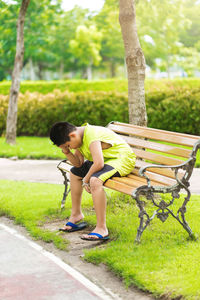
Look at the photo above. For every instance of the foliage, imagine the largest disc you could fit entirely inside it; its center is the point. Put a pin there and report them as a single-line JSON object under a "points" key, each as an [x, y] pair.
{"points": [[160, 35], [86, 45], [112, 50], [159, 264], [40, 16], [37, 112], [49, 31], [120, 85], [176, 110], [173, 107], [45, 87], [8, 20]]}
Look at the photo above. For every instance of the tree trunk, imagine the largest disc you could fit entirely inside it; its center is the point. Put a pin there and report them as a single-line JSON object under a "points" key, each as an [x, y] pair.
{"points": [[11, 125], [61, 71], [89, 71], [135, 62], [40, 67], [112, 69]]}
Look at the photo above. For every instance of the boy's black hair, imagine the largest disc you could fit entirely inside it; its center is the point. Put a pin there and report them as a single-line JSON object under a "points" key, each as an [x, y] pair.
{"points": [[59, 132]]}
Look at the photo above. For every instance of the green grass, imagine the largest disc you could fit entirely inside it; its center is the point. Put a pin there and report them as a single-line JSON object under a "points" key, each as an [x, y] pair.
{"points": [[31, 148], [165, 263]]}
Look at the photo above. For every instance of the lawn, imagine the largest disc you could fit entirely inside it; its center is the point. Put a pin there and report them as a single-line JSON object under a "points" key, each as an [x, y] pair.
{"points": [[165, 263], [30, 148]]}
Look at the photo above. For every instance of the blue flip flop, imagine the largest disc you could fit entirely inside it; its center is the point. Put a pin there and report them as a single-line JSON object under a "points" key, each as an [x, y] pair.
{"points": [[74, 227], [100, 237]]}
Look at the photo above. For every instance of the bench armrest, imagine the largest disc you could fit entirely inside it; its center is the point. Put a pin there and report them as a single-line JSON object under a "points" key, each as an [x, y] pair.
{"points": [[187, 165], [62, 161]]}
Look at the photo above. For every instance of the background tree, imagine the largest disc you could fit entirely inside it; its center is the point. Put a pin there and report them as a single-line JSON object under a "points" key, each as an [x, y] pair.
{"points": [[112, 50], [11, 126], [38, 28], [167, 36], [86, 47], [135, 62], [8, 20], [159, 31], [62, 33]]}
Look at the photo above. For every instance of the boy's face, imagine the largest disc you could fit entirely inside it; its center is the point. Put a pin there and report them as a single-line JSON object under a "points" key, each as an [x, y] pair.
{"points": [[74, 143]]}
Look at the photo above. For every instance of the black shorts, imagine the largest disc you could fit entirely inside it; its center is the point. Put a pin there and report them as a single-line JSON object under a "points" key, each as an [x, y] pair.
{"points": [[104, 174]]}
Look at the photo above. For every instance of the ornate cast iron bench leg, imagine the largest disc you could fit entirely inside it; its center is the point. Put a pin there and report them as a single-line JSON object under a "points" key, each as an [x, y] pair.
{"points": [[143, 215], [182, 210], [162, 212], [66, 190], [66, 184]]}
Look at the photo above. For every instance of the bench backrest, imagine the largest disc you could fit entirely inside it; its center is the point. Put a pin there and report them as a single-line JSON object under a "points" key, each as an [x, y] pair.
{"points": [[154, 146]]}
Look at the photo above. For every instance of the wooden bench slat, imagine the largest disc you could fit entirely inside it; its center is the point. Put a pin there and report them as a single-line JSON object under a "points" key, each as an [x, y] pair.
{"points": [[118, 186], [160, 136], [132, 180], [157, 146], [128, 181], [159, 179], [157, 158], [196, 137]]}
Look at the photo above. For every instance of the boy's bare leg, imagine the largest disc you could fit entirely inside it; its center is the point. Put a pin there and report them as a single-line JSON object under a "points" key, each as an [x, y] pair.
{"points": [[99, 199], [76, 193]]}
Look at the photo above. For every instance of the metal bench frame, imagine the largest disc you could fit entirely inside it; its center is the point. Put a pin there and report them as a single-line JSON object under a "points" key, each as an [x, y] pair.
{"points": [[163, 208]]}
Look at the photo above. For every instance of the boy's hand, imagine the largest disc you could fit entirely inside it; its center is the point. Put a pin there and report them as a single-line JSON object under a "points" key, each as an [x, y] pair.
{"points": [[86, 186], [66, 150]]}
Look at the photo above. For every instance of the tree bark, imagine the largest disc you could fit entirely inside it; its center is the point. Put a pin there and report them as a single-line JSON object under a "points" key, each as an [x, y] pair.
{"points": [[135, 63], [89, 71], [61, 71], [112, 69], [11, 125]]}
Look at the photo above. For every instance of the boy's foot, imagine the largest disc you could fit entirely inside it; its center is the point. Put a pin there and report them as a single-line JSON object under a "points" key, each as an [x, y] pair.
{"points": [[98, 233], [93, 236], [71, 227], [74, 222]]}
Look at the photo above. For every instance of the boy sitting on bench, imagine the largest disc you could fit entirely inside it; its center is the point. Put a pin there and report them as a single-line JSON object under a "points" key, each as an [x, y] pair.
{"points": [[107, 155]]}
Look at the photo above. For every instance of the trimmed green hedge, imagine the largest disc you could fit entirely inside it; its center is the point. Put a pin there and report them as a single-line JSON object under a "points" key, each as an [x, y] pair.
{"points": [[177, 111], [45, 87], [37, 112], [119, 85], [172, 109]]}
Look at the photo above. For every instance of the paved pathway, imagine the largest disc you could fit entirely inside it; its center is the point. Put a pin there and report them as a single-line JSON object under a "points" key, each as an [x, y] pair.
{"points": [[46, 171], [29, 272]]}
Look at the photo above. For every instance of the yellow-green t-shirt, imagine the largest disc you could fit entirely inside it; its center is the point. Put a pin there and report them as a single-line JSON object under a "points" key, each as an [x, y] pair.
{"points": [[119, 155]]}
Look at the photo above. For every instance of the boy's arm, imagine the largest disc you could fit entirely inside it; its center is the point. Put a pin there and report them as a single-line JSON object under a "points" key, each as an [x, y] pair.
{"points": [[98, 160], [76, 159]]}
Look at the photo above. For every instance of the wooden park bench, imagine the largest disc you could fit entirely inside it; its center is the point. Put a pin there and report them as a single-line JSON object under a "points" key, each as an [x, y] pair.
{"points": [[165, 161]]}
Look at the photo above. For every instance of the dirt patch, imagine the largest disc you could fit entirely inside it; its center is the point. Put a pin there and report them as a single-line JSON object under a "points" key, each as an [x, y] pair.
{"points": [[100, 275], [77, 245]]}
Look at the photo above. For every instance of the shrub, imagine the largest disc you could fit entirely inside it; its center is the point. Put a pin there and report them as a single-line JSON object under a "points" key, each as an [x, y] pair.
{"points": [[45, 87], [118, 85], [178, 111], [172, 109], [37, 112]]}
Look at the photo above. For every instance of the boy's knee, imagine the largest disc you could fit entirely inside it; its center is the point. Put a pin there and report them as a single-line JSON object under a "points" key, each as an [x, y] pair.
{"points": [[95, 183]]}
